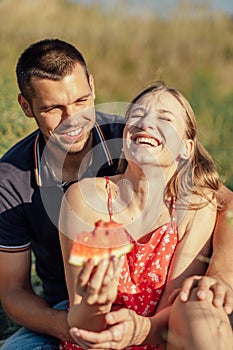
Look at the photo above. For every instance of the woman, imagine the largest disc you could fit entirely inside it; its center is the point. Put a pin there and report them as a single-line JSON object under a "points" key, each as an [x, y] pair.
{"points": [[165, 198]]}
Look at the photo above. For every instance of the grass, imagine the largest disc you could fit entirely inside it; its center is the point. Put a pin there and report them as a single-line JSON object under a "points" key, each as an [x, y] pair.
{"points": [[190, 49]]}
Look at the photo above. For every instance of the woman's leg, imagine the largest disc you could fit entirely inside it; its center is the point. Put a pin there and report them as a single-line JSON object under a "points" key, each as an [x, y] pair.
{"points": [[199, 325]]}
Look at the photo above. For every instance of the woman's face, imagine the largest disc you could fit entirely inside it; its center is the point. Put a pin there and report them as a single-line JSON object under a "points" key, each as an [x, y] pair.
{"points": [[155, 130]]}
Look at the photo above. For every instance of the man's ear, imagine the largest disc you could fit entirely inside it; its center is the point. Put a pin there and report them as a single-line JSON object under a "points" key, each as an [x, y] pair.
{"points": [[25, 105], [188, 147], [92, 85]]}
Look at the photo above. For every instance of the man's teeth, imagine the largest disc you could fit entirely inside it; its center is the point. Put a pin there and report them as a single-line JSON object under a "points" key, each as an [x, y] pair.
{"points": [[74, 132], [147, 140]]}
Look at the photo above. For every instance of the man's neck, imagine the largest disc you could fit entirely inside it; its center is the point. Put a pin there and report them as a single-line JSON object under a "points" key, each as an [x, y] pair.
{"points": [[68, 167]]}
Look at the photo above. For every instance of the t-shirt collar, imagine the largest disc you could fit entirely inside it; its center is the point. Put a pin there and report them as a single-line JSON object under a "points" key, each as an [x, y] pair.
{"points": [[101, 155]]}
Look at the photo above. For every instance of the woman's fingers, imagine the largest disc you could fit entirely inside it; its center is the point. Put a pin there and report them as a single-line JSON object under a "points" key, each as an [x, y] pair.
{"points": [[98, 284], [102, 287], [107, 339], [96, 279], [114, 270], [75, 334]]}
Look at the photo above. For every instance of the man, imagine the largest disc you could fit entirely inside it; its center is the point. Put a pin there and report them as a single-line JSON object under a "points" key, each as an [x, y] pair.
{"points": [[54, 85], [58, 92]]}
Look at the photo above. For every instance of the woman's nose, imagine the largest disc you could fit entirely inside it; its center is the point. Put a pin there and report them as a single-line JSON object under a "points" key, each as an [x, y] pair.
{"points": [[147, 122]]}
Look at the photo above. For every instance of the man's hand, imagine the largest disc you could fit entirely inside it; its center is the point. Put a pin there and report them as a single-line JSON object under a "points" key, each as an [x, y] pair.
{"points": [[222, 292], [125, 328]]}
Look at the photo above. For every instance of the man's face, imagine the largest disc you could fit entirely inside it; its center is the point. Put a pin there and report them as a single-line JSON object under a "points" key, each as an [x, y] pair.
{"points": [[64, 109]]}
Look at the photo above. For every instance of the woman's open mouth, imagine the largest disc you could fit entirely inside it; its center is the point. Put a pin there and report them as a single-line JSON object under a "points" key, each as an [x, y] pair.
{"points": [[146, 140]]}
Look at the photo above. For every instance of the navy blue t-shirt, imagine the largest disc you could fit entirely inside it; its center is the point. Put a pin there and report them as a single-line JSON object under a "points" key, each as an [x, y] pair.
{"points": [[30, 199]]}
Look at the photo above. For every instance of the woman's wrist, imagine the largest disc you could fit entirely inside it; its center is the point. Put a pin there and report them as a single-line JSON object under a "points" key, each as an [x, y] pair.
{"points": [[86, 316], [143, 329], [96, 308]]}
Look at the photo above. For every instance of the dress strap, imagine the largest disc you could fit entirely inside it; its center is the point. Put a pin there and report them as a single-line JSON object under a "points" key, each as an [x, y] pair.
{"points": [[173, 212], [110, 212]]}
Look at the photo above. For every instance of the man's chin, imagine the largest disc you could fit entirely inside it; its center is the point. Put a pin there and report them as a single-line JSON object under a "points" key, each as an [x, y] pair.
{"points": [[70, 148], [74, 152], [73, 149]]}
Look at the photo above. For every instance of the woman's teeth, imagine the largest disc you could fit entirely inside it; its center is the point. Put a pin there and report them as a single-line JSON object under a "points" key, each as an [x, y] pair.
{"points": [[147, 140]]}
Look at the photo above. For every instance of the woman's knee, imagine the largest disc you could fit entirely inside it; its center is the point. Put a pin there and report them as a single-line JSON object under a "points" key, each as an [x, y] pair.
{"points": [[192, 320]]}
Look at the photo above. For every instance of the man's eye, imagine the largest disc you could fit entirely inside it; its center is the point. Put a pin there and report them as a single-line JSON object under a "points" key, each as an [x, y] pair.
{"points": [[52, 108], [83, 100]]}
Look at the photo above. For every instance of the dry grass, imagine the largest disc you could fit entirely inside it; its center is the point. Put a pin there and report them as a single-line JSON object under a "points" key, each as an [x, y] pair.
{"points": [[191, 50]]}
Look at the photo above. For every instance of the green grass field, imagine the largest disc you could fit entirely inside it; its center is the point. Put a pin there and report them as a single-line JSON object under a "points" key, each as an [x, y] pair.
{"points": [[190, 50]]}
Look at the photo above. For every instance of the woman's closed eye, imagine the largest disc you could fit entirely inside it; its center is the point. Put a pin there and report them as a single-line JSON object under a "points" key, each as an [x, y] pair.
{"points": [[165, 117]]}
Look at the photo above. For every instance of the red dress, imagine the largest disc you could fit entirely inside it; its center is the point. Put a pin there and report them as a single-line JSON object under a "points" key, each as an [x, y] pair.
{"points": [[144, 272]]}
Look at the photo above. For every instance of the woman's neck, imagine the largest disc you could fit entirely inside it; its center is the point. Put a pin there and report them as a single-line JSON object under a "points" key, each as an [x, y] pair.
{"points": [[145, 185], [137, 193]]}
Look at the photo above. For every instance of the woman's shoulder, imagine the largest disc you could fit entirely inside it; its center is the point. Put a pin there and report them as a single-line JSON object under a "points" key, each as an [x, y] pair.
{"points": [[88, 198], [85, 186], [90, 186], [194, 211], [195, 201]]}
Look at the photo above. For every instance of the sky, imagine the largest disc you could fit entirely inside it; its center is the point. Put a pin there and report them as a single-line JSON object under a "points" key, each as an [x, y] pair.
{"points": [[159, 5], [226, 5]]}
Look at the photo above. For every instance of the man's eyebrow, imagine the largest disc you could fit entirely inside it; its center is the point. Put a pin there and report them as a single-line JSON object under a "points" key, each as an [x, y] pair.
{"points": [[83, 97], [45, 107], [54, 105]]}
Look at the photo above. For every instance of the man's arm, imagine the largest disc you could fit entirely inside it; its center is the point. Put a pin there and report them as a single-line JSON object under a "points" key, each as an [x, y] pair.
{"points": [[221, 263], [219, 274], [20, 302]]}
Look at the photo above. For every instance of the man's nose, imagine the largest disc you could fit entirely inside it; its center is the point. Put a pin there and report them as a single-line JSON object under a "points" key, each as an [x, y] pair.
{"points": [[69, 111]]}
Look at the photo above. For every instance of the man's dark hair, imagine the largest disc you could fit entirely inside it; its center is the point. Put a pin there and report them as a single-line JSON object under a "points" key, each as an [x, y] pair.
{"points": [[49, 58]]}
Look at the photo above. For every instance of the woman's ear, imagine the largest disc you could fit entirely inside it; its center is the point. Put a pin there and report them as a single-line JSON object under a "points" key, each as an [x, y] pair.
{"points": [[25, 105], [92, 85], [188, 146]]}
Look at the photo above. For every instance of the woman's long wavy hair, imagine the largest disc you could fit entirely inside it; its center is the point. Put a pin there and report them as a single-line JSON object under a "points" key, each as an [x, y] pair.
{"points": [[197, 174]]}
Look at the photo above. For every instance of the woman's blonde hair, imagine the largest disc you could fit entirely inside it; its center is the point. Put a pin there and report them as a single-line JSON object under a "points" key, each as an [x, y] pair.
{"points": [[198, 173]]}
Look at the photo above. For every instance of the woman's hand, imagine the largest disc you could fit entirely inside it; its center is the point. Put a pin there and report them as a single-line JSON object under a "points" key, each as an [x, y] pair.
{"points": [[222, 292], [124, 328], [98, 284]]}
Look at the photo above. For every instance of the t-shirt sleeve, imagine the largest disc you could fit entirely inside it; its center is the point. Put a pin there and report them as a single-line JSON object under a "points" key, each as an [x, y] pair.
{"points": [[14, 230]]}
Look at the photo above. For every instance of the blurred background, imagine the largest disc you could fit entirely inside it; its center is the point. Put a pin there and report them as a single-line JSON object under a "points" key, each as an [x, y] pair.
{"points": [[127, 45]]}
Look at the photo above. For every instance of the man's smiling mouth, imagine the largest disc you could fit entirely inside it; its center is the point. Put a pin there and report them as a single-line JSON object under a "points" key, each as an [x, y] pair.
{"points": [[74, 132]]}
